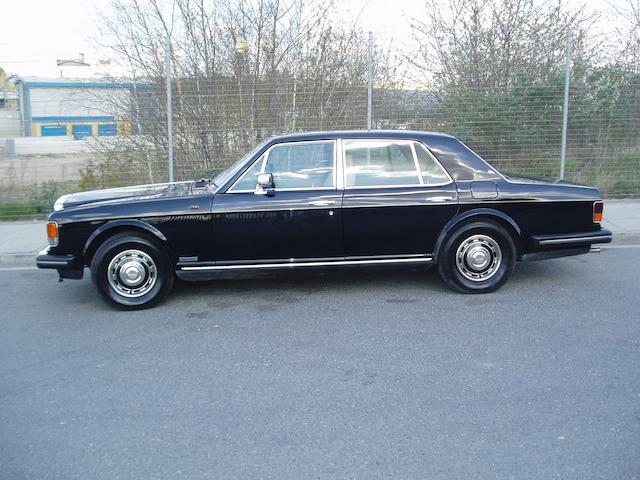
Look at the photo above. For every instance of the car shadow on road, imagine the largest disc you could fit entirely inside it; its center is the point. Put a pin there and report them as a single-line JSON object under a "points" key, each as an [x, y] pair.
{"points": [[425, 281], [400, 282]]}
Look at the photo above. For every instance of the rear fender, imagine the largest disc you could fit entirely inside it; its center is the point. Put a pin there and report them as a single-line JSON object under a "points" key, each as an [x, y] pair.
{"points": [[479, 213]]}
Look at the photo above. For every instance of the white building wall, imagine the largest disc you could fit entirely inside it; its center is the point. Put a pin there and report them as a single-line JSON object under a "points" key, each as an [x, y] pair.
{"points": [[79, 102], [9, 123]]}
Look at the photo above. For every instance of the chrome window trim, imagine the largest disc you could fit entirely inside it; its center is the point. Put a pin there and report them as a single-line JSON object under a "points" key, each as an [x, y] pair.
{"points": [[416, 163], [265, 160], [415, 158], [297, 189], [415, 185], [340, 179]]}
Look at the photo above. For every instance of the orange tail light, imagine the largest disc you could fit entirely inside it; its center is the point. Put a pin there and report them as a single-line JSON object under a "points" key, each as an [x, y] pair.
{"points": [[598, 209]]}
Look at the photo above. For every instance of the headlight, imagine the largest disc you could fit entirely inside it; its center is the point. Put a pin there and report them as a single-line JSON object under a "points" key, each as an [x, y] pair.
{"points": [[59, 205]]}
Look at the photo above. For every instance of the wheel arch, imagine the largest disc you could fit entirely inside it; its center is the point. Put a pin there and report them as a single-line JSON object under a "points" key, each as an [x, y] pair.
{"points": [[109, 229], [479, 214]]}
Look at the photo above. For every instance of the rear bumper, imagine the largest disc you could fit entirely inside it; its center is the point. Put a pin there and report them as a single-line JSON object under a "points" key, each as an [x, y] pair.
{"points": [[581, 239], [66, 265], [543, 247]]}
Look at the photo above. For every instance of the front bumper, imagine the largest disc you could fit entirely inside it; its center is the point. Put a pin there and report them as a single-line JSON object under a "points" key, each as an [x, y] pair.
{"points": [[66, 264], [46, 260]]}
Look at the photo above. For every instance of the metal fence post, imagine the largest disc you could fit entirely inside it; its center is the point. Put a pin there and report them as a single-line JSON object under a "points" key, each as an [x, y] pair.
{"points": [[167, 67], [565, 111], [369, 80]]}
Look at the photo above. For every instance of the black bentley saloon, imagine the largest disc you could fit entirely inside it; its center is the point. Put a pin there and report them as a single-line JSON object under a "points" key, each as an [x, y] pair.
{"points": [[324, 199]]}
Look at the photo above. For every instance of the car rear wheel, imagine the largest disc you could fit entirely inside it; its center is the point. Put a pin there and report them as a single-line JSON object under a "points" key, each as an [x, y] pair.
{"points": [[131, 271], [477, 257]]}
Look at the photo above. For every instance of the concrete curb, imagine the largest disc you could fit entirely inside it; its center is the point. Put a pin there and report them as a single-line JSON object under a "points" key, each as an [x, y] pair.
{"points": [[626, 238], [18, 259]]}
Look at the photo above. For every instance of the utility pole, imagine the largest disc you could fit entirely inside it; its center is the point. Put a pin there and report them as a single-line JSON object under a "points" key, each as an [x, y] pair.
{"points": [[370, 80], [167, 67], [565, 111]]}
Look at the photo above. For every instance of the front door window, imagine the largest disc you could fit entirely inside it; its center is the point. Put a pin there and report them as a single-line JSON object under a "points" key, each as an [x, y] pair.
{"points": [[295, 166]]}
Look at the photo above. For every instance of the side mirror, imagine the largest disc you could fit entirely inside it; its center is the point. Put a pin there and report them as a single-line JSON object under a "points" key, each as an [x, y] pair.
{"points": [[265, 186]]}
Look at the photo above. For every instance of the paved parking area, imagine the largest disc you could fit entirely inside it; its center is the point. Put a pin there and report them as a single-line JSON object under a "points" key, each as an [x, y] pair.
{"points": [[382, 374]]}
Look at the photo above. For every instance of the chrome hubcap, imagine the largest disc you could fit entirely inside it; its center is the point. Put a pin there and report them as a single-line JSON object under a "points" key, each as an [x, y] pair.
{"points": [[132, 273], [478, 258]]}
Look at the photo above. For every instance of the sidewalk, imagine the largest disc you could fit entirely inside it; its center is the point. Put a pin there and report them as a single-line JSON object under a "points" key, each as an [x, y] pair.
{"points": [[622, 217], [21, 241]]}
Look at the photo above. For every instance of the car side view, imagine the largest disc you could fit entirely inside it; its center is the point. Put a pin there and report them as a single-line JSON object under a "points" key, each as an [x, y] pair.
{"points": [[323, 199]]}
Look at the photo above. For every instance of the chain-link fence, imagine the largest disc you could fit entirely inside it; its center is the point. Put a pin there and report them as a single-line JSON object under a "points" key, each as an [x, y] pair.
{"points": [[216, 118]]}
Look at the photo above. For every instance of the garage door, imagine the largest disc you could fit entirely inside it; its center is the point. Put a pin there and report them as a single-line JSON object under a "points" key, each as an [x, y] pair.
{"points": [[53, 130], [81, 131], [107, 129]]}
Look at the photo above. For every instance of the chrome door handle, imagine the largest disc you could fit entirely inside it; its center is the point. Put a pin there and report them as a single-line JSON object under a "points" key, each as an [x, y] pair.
{"points": [[322, 203]]}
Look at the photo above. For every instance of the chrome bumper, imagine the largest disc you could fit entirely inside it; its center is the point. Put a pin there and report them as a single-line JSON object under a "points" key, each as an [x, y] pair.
{"points": [[572, 239], [46, 260]]}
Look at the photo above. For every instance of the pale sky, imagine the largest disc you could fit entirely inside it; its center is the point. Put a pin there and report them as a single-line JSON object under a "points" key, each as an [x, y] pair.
{"points": [[34, 33]]}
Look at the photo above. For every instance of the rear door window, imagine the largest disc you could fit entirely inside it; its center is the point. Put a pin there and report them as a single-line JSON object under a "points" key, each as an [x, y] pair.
{"points": [[377, 163]]}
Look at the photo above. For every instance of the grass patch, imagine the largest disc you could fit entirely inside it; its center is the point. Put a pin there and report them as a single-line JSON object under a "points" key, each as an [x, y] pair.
{"points": [[22, 211]]}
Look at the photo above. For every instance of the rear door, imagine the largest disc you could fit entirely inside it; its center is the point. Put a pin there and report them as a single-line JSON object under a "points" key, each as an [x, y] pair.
{"points": [[397, 198], [300, 221]]}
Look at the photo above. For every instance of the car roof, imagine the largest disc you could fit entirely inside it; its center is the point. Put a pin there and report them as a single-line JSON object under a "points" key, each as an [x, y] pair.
{"points": [[325, 135]]}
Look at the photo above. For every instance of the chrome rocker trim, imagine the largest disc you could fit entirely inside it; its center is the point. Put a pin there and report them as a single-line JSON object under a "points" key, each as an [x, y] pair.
{"points": [[259, 266]]}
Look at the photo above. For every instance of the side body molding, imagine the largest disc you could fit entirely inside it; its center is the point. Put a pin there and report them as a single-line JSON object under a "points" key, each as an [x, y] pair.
{"points": [[121, 223], [470, 214]]}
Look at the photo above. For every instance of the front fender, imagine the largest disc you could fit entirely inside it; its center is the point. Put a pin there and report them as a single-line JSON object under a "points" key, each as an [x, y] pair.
{"points": [[138, 224], [501, 217]]}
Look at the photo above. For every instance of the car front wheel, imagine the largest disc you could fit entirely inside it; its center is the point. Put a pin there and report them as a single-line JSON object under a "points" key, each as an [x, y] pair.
{"points": [[131, 271], [477, 257]]}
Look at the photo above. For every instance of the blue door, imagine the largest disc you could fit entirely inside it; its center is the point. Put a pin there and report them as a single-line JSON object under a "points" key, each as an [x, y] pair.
{"points": [[107, 129], [81, 131], [53, 130]]}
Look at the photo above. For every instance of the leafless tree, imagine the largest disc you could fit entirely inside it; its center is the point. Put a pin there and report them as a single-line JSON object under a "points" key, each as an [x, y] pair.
{"points": [[244, 70]]}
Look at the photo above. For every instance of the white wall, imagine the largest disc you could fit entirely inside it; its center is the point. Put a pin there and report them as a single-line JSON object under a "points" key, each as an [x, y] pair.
{"points": [[79, 102], [9, 123], [52, 145], [44, 145]]}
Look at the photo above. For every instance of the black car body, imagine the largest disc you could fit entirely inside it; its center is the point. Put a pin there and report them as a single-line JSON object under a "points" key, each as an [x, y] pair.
{"points": [[320, 200]]}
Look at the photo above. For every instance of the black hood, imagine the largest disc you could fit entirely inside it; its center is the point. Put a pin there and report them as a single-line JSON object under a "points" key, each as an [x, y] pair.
{"points": [[155, 190]]}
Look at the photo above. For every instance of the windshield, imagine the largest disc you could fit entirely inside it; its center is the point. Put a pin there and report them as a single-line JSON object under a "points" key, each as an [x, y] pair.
{"points": [[225, 175]]}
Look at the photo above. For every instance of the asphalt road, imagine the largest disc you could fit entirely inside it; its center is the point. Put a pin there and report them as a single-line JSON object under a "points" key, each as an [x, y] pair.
{"points": [[381, 374]]}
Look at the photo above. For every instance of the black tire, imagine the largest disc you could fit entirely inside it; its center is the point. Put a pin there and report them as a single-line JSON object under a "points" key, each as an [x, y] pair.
{"points": [[117, 262], [477, 257]]}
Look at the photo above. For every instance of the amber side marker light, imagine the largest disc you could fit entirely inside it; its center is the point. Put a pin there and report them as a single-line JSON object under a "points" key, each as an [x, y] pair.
{"points": [[52, 233], [598, 209]]}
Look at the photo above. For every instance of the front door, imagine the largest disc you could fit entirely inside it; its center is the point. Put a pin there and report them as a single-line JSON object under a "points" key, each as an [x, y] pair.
{"points": [[301, 220], [397, 198]]}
